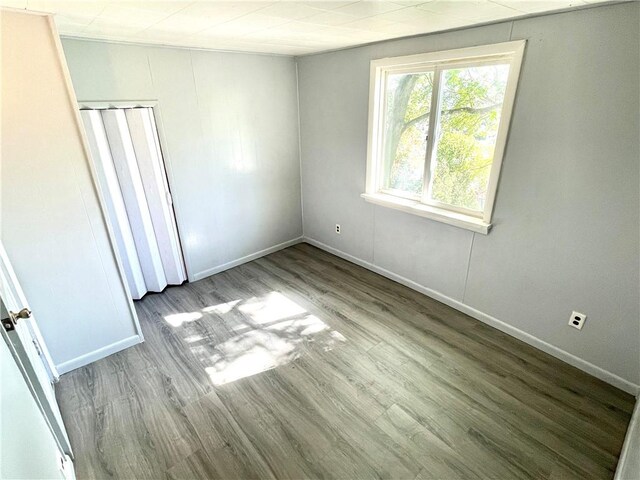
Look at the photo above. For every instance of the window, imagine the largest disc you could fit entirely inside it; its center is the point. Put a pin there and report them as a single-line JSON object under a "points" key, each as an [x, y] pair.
{"points": [[438, 124]]}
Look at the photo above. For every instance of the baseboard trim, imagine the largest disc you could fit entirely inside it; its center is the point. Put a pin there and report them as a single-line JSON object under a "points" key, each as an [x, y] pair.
{"points": [[557, 352], [248, 258], [98, 354], [631, 444]]}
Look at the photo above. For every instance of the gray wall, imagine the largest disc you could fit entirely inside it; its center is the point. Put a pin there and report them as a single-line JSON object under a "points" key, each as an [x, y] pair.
{"points": [[230, 128], [566, 226], [52, 227]]}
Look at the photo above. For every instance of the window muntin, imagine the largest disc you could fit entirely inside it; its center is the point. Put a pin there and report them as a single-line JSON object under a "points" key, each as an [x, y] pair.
{"points": [[438, 125]]}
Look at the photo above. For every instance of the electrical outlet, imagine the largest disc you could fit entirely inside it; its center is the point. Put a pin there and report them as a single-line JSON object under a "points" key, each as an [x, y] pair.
{"points": [[577, 320], [338, 231]]}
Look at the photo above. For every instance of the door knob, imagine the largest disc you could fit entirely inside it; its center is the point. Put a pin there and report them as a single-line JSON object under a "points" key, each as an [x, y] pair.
{"points": [[10, 323], [24, 313]]}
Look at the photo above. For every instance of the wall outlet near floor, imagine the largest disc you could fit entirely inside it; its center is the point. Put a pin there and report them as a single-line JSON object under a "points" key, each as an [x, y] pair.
{"points": [[577, 320], [338, 230]]}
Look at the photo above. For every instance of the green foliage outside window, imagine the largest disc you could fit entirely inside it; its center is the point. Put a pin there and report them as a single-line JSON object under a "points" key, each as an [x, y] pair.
{"points": [[470, 101]]}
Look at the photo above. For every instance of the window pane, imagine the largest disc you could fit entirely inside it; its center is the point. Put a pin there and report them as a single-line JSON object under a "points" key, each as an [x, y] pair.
{"points": [[407, 105], [471, 103]]}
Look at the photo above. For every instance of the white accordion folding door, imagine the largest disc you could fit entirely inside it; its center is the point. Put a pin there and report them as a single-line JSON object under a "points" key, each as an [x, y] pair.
{"points": [[126, 150]]}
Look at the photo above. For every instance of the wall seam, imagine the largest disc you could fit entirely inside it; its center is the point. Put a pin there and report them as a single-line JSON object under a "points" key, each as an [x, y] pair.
{"points": [[373, 239], [473, 238], [299, 144], [208, 147], [466, 277], [150, 72]]}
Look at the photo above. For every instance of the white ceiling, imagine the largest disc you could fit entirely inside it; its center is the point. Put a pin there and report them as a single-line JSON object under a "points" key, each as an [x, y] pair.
{"points": [[282, 27]]}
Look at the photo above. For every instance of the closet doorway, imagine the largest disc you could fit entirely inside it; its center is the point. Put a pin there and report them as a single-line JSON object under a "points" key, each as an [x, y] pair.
{"points": [[130, 170]]}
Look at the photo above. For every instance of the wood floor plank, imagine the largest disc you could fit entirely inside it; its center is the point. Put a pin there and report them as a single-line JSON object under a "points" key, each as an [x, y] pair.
{"points": [[302, 365], [225, 441], [283, 452], [197, 465], [500, 409], [440, 460]]}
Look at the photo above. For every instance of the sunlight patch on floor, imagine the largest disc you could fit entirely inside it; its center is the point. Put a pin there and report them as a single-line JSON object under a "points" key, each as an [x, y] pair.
{"points": [[193, 338], [265, 348], [221, 308], [265, 332], [177, 319], [247, 354], [272, 307]]}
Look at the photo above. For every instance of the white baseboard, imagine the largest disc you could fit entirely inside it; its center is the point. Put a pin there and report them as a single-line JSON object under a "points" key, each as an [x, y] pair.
{"points": [[103, 352], [234, 263], [563, 355], [629, 462]]}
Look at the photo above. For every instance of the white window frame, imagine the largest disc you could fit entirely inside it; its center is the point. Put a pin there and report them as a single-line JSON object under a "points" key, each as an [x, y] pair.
{"points": [[503, 53]]}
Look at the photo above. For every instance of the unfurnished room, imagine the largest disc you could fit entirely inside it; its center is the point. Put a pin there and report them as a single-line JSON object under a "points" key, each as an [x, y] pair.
{"points": [[359, 239]]}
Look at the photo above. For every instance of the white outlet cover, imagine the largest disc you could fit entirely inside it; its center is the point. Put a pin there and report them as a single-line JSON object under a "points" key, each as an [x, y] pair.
{"points": [[577, 320]]}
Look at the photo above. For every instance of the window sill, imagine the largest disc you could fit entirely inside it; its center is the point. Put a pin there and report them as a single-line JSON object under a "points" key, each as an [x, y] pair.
{"points": [[416, 208]]}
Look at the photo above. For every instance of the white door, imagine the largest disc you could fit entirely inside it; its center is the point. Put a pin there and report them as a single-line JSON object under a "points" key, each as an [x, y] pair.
{"points": [[28, 446], [25, 343], [125, 149]]}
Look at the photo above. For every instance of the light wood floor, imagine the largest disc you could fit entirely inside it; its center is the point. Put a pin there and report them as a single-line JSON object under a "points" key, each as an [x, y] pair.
{"points": [[301, 365]]}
